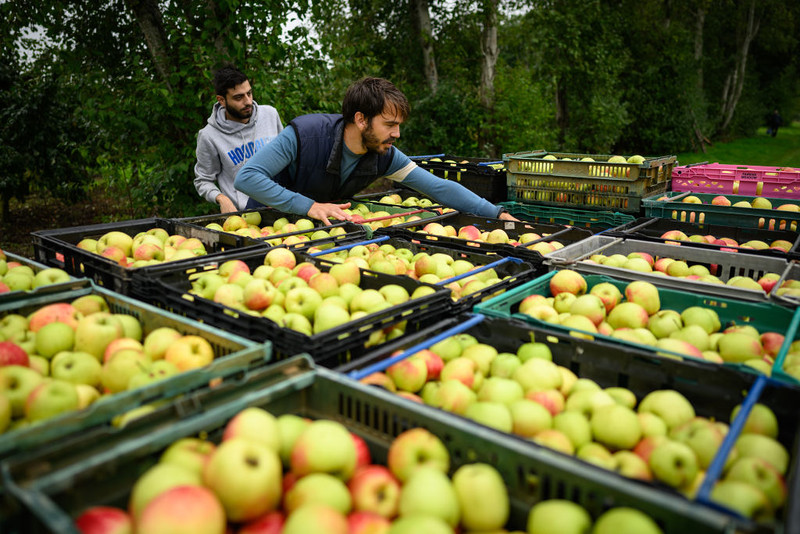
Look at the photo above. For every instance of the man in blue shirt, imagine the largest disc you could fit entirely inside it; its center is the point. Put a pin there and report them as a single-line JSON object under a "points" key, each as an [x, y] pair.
{"points": [[319, 159]]}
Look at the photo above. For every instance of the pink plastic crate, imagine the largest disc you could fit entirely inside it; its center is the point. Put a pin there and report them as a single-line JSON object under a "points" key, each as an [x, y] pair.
{"points": [[717, 178]]}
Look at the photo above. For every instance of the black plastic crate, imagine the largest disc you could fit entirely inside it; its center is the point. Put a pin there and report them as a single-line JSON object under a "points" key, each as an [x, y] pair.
{"points": [[101, 467], [565, 235], [58, 248], [168, 288], [713, 390], [269, 216], [651, 228], [517, 271], [483, 176]]}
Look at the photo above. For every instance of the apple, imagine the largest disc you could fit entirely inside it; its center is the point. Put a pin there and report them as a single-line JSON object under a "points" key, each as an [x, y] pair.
{"points": [[62, 312], [367, 523], [743, 497], [289, 427], [625, 520], [269, 523], [119, 344], [374, 489], [628, 315], [760, 420], [608, 293], [13, 354], [118, 371], [50, 399], [555, 439], [189, 453], [246, 477], [558, 516], [428, 491], [158, 341], [316, 518], [187, 508], [669, 405], [94, 332], [77, 368], [318, 488], [568, 281], [538, 375], [764, 447], [189, 352], [616, 426], [51, 339], [324, 447], [104, 520], [16, 384], [254, 424], [631, 465], [280, 257], [454, 396], [409, 374], [644, 294], [529, 418], [482, 497], [415, 448], [673, 463]]}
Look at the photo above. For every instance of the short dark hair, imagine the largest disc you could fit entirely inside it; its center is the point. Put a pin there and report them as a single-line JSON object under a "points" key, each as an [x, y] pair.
{"points": [[370, 96], [228, 78]]}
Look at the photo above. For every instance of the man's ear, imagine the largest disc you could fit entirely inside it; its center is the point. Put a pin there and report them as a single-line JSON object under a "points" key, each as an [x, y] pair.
{"points": [[360, 120], [221, 100]]}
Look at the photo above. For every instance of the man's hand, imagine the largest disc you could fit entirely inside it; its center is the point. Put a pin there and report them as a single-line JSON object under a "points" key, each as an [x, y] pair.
{"points": [[322, 211], [225, 204], [508, 217]]}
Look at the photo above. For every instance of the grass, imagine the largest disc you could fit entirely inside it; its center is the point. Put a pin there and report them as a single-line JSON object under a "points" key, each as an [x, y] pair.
{"points": [[782, 150]]}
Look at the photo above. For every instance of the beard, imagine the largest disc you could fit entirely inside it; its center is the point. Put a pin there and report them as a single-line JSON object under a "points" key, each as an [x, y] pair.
{"points": [[238, 114], [373, 143]]}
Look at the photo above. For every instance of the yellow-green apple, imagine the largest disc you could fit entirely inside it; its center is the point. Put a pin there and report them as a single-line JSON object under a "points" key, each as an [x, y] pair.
{"points": [[616, 426], [615, 260], [645, 448], [671, 406], [628, 315], [575, 425], [52, 275], [206, 284], [764, 447], [189, 352], [662, 264], [482, 497], [694, 335], [77, 368], [131, 327], [374, 489], [16, 384], [409, 374], [316, 518], [675, 235], [280, 257], [51, 398], [590, 306], [318, 488], [117, 239], [158, 341], [538, 374], [259, 294], [231, 295], [246, 477], [89, 244], [563, 301], [430, 492], [189, 453], [13, 354], [702, 436], [721, 200], [568, 281], [638, 264], [528, 418], [504, 365], [744, 498], [597, 454], [121, 367], [94, 332], [760, 420], [645, 294], [625, 520], [608, 293], [62, 312], [51, 339], [454, 396], [737, 347], [324, 447], [534, 349], [13, 325], [189, 508], [254, 424], [289, 427], [673, 463], [104, 520], [554, 439], [367, 523], [664, 322], [651, 424], [369, 301], [761, 474], [482, 354], [631, 465], [297, 322], [552, 399], [416, 448], [503, 390], [191, 245], [557, 515], [39, 364], [704, 317], [269, 523]]}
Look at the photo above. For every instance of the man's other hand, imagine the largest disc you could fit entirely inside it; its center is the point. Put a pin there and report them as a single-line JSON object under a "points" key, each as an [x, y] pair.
{"points": [[322, 211]]}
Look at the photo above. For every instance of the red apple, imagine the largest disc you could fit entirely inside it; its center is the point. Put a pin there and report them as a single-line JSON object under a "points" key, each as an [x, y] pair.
{"points": [[104, 520], [13, 354]]}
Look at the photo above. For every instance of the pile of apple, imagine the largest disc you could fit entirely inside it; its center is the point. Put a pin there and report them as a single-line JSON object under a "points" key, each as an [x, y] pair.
{"points": [[362, 212], [600, 171], [15, 276], [757, 202], [659, 437], [666, 266], [291, 475], [66, 355], [674, 237], [409, 202], [422, 266], [249, 225], [497, 236], [151, 247], [298, 295], [635, 315]]}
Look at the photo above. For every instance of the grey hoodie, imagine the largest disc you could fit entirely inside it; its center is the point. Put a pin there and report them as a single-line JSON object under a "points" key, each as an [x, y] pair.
{"points": [[223, 146]]}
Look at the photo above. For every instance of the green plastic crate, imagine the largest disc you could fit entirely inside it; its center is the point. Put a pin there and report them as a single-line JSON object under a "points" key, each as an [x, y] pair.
{"points": [[707, 213], [101, 467], [596, 221], [72, 283], [232, 353], [764, 316], [594, 184]]}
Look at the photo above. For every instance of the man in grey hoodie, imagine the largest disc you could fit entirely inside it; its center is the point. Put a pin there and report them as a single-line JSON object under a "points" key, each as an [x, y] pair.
{"points": [[237, 128]]}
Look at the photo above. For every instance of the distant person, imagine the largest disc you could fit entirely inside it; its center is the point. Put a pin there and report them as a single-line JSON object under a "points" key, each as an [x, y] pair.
{"points": [[320, 159], [237, 128], [774, 121]]}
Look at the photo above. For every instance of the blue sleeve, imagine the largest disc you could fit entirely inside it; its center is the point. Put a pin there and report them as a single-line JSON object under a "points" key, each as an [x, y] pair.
{"points": [[446, 192], [255, 178]]}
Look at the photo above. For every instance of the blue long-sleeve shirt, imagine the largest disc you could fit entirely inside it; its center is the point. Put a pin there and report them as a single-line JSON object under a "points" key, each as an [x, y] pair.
{"points": [[256, 179]]}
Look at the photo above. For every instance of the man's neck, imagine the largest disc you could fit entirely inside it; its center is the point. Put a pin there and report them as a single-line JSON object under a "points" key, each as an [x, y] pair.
{"points": [[352, 139]]}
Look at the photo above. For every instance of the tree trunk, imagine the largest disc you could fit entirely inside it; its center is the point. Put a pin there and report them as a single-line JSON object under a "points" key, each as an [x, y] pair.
{"points": [[561, 110], [700, 20], [490, 52], [148, 16], [422, 22], [735, 80]]}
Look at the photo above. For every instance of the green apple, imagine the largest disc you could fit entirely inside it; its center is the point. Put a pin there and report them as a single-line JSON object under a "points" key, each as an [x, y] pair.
{"points": [[493, 414], [52, 275], [556, 516], [155, 481], [318, 488], [94, 332], [50, 399], [53, 338], [89, 304], [324, 447], [673, 463], [454, 396], [121, 367], [255, 424], [744, 498], [289, 427], [153, 372], [131, 327], [504, 365], [624, 520], [616, 426], [429, 492], [761, 420], [538, 374], [762, 475], [76, 367], [670, 405], [158, 340], [575, 425], [189, 453], [316, 518], [529, 418], [16, 383], [415, 448], [764, 447]]}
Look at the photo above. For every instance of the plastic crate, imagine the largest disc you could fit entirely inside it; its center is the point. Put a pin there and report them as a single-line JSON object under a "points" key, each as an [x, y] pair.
{"points": [[673, 207], [792, 273], [596, 221], [792, 335], [426, 215], [594, 184], [231, 354], [724, 265], [516, 270], [651, 229], [269, 216], [714, 391], [483, 176], [550, 232], [764, 316], [404, 192], [58, 248], [72, 283], [724, 179], [168, 288], [100, 468]]}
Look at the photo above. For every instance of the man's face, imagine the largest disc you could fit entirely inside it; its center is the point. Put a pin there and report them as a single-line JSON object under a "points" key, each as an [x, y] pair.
{"points": [[238, 102], [382, 130]]}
